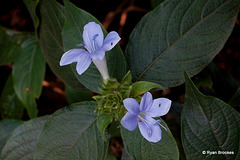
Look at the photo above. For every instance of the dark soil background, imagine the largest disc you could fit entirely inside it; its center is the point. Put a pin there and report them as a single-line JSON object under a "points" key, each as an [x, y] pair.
{"points": [[118, 15]]}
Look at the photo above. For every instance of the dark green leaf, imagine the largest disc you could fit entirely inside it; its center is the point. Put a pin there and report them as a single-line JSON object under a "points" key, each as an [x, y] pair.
{"points": [[125, 155], [224, 84], [10, 44], [178, 36], [175, 111], [21, 144], [77, 96], [114, 129], [155, 3], [139, 148], [142, 87], [175, 129], [235, 100], [209, 124], [31, 6], [28, 74], [7, 126], [10, 106], [76, 19], [72, 133], [52, 20], [203, 80], [110, 156], [103, 120]]}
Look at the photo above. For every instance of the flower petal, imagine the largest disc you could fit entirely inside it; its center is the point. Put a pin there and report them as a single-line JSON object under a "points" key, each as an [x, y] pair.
{"points": [[80, 45], [152, 133], [159, 107], [146, 101], [131, 105], [71, 56], [83, 63], [129, 121], [92, 36], [98, 55], [143, 116], [110, 41]]}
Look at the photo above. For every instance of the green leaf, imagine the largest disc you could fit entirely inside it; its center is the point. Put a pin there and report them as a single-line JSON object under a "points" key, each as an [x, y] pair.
{"points": [[235, 100], [10, 44], [28, 74], [155, 3], [203, 80], [114, 130], [77, 96], [185, 36], [7, 126], [224, 84], [52, 20], [208, 124], [10, 106], [125, 155], [127, 79], [71, 133], [76, 19], [32, 6], [175, 111], [110, 156], [21, 144], [142, 87], [176, 131], [139, 148], [103, 120]]}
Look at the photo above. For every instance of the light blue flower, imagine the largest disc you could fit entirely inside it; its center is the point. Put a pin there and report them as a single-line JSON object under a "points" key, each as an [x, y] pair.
{"points": [[142, 114], [95, 47]]}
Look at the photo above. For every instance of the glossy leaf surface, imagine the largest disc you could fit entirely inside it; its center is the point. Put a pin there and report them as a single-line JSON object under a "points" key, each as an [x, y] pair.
{"points": [[28, 74]]}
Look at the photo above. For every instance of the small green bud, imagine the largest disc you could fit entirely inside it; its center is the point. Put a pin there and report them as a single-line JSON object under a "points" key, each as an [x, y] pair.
{"points": [[113, 94]]}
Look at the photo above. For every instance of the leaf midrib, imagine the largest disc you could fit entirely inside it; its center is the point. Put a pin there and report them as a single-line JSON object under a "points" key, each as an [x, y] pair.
{"points": [[172, 45], [196, 94], [76, 141]]}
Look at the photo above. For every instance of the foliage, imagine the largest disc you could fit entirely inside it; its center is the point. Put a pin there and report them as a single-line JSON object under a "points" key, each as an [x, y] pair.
{"points": [[175, 41]]}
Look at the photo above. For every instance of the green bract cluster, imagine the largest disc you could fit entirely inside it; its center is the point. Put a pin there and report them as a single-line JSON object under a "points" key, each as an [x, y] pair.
{"points": [[113, 94]]}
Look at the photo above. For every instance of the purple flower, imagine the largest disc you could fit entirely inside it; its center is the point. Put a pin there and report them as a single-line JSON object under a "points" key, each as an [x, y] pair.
{"points": [[95, 47], [142, 114]]}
